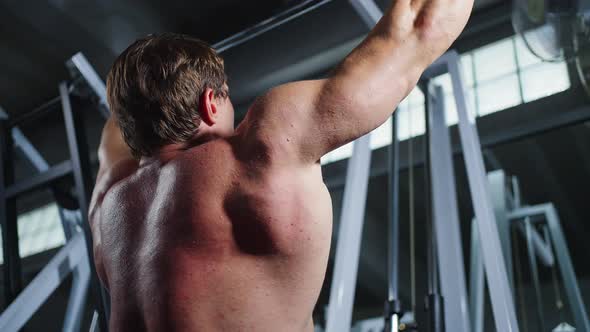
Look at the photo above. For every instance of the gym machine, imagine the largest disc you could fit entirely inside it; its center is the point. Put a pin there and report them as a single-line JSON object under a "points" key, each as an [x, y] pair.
{"points": [[448, 307], [548, 247], [447, 253], [76, 256], [445, 221]]}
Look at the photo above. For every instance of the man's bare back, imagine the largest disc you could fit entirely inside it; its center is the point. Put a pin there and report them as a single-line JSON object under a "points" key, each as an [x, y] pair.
{"points": [[203, 242], [216, 229]]}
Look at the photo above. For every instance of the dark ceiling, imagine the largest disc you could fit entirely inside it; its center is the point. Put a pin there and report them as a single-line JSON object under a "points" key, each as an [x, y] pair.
{"points": [[36, 37]]}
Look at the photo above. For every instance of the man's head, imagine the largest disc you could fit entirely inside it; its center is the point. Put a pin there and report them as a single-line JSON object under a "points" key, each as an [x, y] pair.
{"points": [[167, 89]]}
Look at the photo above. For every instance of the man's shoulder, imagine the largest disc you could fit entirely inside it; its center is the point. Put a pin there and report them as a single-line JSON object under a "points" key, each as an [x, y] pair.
{"points": [[120, 171], [107, 178]]}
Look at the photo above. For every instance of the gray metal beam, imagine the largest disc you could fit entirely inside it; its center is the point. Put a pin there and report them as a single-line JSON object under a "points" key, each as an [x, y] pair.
{"points": [[40, 180], [445, 217], [541, 249], [534, 273], [79, 65], [269, 24], [349, 238], [537, 126], [497, 186], [353, 212], [77, 300], [8, 217], [535, 243], [495, 267], [94, 323], [38, 290], [21, 142], [32, 154], [476, 282], [568, 274], [368, 10], [393, 305]]}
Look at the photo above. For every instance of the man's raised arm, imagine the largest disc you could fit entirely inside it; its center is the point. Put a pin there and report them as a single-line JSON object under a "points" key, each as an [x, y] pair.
{"points": [[302, 121]]}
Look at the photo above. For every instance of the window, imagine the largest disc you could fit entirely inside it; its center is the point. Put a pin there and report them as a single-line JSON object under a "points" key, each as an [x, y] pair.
{"points": [[497, 76], [38, 230]]}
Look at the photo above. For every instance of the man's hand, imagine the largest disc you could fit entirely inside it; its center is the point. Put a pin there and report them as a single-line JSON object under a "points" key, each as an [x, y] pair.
{"points": [[300, 122], [432, 24]]}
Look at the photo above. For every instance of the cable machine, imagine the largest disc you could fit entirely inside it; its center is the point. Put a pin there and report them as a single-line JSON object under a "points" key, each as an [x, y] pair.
{"points": [[447, 239], [540, 228]]}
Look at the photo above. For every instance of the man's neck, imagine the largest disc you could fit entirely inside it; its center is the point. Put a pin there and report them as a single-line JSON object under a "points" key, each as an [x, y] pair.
{"points": [[170, 151]]}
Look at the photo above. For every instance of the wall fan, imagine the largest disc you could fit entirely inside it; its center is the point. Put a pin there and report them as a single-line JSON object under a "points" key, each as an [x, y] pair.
{"points": [[556, 30]]}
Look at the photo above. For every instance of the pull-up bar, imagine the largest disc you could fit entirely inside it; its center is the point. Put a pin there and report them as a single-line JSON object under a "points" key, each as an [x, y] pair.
{"points": [[269, 24]]}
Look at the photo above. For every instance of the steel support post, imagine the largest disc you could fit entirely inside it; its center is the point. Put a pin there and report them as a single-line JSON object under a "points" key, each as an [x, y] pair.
{"points": [[564, 262], [500, 197], [27, 148], [534, 272], [352, 216], [434, 304], [393, 305], [77, 299], [48, 107], [568, 274], [349, 237], [476, 283], [79, 65], [368, 10], [541, 248], [94, 323], [10, 247], [445, 217], [80, 158], [497, 184], [494, 263]]}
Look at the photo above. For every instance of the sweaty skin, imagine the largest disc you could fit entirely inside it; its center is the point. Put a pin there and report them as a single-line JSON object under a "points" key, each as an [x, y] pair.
{"points": [[232, 232]]}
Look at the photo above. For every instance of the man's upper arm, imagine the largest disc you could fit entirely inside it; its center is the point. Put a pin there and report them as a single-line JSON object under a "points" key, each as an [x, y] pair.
{"points": [[283, 123], [302, 121]]}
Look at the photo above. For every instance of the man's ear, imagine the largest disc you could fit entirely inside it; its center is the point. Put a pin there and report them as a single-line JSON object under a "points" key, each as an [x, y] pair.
{"points": [[207, 107]]}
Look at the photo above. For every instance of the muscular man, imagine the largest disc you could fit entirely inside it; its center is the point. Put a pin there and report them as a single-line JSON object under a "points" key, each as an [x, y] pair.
{"points": [[200, 227]]}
